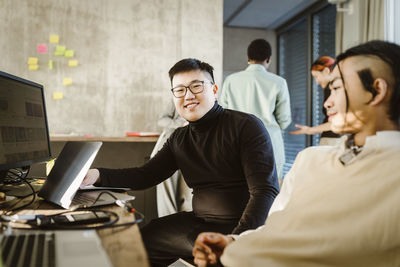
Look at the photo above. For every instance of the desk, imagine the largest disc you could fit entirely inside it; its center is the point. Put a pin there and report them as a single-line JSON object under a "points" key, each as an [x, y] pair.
{"points": [[115, 153], [143, 139], [123, 245]]}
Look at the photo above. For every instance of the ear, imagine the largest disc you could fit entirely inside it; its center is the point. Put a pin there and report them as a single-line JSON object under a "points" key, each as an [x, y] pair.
{"points": [[268, 60], [380, 86], [215, 90], [326, 70]]}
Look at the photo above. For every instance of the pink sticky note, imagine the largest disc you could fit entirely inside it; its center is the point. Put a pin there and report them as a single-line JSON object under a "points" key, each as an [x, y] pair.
{"points": [[42, 48]]}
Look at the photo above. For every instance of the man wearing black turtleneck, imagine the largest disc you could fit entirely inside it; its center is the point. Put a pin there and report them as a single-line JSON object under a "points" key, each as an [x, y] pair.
{"points": [[224, 155]]}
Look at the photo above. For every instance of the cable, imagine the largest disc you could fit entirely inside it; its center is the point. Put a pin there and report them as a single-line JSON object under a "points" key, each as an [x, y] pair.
{"points": [[112, 223], [17, 178], [102, 193], [125, 205], [56, 226], [22, 177], [136, 221]]}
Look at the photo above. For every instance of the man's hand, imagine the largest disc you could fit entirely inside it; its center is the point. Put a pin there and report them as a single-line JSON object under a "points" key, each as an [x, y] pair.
{"points": [[91, 177], [208, 248]]}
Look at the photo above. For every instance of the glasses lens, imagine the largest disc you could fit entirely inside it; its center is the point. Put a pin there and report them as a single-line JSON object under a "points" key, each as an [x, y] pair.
{"points": [[179, 91], [196, 87]]}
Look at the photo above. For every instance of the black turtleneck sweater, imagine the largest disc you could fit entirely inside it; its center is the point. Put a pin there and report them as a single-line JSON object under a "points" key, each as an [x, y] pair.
{"points": [[226, 157]]}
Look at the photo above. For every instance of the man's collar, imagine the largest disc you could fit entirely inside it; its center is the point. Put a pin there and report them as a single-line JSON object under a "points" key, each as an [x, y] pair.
{"points": [[207, 120], [256, 67], [351, 150], [381, 140]]}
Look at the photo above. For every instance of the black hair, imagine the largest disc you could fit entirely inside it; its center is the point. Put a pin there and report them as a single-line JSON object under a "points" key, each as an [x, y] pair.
{"points": [[259, 50], [189, 64], [345, 90], [388, 53], [367, 81]]}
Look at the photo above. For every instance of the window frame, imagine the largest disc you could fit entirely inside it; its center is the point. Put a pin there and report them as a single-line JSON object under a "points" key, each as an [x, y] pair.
{"points": [[308, 16], [392, 21]]}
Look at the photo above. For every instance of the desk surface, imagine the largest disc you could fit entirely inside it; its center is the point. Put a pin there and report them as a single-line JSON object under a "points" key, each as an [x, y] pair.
{"points": [[123, 245], [104, 139]]}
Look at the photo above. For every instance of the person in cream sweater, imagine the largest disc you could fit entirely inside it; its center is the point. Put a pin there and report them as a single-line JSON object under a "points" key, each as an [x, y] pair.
{"points": [[339, 205]]}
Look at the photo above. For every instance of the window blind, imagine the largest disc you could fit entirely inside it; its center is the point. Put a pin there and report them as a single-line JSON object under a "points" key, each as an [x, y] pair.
{"points": [[292, 67], [323, 38], [293, 57]]}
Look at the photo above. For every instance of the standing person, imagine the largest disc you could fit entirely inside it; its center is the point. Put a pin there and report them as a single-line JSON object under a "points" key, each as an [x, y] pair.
{"points": [[224, 155], [261, 93], [339, 205], [173, 195], [321, 70]]}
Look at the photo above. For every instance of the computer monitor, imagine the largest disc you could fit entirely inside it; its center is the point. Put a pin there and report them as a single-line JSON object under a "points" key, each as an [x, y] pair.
{"points": [[24, 134]]}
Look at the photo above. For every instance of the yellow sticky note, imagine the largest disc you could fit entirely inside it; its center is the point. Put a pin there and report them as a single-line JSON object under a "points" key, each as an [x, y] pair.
{"points": [[32, 60], [33, 67], [57, 95], [58, 53], [50, 64], [54, 38], [67, 81], [50, 165], [69, 53], [73, 63], [60, 50]]}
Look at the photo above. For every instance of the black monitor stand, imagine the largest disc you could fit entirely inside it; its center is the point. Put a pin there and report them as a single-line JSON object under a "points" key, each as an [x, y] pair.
{"points": [[3, 175], [17, 190]]}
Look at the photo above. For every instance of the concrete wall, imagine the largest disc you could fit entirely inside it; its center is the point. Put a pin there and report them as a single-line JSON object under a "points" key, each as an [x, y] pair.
{"points": [[124, 47], [236, 41]]}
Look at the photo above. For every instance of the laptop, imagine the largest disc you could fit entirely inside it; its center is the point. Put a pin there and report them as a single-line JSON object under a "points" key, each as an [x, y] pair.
{"points": [[53, 249], [62, 183]]}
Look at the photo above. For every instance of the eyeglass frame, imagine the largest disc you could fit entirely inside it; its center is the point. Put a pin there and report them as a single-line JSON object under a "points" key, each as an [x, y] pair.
{"points": [[188, 87]]}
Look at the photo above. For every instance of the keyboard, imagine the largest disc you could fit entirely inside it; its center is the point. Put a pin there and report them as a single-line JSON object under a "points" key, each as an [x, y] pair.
{"points": [[83, 199], [28, 249]]}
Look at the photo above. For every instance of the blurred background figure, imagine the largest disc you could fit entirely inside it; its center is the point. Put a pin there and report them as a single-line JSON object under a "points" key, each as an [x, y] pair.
{"points": [[257, 91], [173, 195], [321, 70]]}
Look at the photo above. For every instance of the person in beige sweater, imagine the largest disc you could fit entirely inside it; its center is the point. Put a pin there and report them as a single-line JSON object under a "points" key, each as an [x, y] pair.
{"points": [[339, 206]]}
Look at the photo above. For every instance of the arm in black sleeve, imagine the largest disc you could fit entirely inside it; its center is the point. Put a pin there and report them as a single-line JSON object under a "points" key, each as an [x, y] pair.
{"points": [[258, 163], [156, 170]]}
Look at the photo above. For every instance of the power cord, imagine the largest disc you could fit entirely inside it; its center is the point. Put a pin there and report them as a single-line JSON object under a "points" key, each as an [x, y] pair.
{"points": [[14, 175], [126, 205], [47, 222], [34, 220], [98, 197], [18, 178]]}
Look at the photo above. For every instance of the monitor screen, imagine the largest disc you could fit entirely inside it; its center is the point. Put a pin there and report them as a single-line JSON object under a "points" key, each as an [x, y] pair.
{"points": [[24, 134]]}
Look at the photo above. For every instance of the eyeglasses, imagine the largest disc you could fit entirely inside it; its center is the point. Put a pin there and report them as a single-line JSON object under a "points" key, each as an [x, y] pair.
{"points": [[195, 87]]}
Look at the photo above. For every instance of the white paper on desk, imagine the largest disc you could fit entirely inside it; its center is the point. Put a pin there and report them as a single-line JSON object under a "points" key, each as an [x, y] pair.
{"points": [[92, 187]]}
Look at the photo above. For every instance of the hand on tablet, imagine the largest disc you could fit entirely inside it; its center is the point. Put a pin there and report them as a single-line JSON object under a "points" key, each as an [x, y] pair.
{"points": [[91, 177]]}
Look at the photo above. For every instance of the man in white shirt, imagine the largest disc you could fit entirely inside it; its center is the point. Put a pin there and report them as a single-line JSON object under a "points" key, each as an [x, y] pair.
{"points": [[339, 206], [261, 93]]}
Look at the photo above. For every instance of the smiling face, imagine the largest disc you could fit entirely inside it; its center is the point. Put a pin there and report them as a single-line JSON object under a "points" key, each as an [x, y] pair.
{"points": [[193, 107], [351, 114]]}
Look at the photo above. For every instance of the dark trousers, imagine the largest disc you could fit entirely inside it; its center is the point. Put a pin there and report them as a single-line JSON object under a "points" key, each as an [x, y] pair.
{"points": [[172, 237]]}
